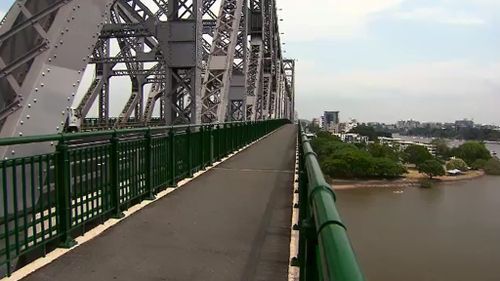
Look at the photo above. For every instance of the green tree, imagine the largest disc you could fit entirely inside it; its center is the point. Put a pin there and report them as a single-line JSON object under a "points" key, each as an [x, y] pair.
{"points": [[417, 154], [471, 151], [387, 168], [492, 167], [456, 163], [383, 150], [369, 132], [479, 164], [313, 128], [442, 148], [343, 160], [336, 168], [361, 162], [431, 168]]}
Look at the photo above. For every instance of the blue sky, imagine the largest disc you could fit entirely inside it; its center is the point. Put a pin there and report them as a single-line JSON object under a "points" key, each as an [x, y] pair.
{"points": [[385, 60]]}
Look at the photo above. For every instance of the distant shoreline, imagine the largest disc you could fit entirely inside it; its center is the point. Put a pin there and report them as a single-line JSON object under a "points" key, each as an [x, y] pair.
{"points": [[411, 179], [447, 139]]}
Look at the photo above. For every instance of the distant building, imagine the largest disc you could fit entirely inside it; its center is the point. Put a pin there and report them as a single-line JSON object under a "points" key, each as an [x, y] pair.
{"points": [[315, 122], [407, 124], [403, 144], [352, 138], [331, 117], [489, 127], [390, 127], [464, 124], [432, 125], [330, 120], [348, 126]]}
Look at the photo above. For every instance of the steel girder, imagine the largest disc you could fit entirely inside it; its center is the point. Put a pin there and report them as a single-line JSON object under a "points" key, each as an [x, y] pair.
{"points": [[184, 48], [237, 88], [289, 70], [42, 59], [242, 80], [216, 83], [254, 74], [173, 42], [125, 15], [263, 99]]}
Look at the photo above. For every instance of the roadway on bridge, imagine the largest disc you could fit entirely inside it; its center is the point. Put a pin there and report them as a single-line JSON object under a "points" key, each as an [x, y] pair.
{"points": [[231, 223]]}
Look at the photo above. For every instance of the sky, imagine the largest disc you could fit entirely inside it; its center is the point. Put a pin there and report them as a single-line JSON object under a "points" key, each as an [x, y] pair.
{"points": [[388, 60]]}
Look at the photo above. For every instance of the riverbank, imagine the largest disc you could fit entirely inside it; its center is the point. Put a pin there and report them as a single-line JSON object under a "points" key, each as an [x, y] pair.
{"points": [[412, 179]]}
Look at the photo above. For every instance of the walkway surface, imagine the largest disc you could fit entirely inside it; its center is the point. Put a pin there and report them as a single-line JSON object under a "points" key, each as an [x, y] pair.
{"points": [[231, 223]]}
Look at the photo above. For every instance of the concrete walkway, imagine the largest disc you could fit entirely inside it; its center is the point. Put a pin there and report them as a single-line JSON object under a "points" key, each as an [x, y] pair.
{"points": [[231, 223]]}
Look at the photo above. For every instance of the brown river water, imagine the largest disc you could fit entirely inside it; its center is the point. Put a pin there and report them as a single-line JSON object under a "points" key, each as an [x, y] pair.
{"points": [[449, 232]]}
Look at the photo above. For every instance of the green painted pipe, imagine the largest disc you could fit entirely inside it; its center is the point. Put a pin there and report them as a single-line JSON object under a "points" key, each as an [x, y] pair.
{"points": [[336, 258]]}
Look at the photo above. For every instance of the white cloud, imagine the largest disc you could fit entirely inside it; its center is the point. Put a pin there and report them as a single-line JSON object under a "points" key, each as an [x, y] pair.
{"points": [[441, 91], [311, 20], [441, 15], [323, 19]]}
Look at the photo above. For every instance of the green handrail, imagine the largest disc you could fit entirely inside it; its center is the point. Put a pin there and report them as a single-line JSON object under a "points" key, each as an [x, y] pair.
{"points": [[49, 198], [325, 252]]}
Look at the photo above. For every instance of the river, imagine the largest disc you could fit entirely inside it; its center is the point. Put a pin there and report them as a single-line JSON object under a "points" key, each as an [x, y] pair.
{"points": [[449, 232]]}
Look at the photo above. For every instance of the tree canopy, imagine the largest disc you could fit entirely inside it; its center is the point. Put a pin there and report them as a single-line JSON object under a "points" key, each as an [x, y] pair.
{"points": [[342, 160], [471, 151], [479, 164], [369, 132], [442, 148], [417, 154], [492, 167], [456, 163], [383, 150], [431, 168]]}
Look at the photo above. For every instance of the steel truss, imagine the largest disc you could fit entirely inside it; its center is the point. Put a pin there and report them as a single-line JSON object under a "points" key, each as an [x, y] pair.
{"points": [[204, 61]]}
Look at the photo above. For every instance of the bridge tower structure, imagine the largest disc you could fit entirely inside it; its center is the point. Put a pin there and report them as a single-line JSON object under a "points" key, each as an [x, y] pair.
{"points": [[187, 62]]}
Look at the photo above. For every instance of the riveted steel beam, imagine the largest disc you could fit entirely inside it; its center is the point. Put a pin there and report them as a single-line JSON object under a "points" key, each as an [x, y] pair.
{"points": [[215, 88]]}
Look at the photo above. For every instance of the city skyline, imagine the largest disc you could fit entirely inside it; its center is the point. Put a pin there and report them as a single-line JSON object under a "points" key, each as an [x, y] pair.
{"points": [[345, 119]]}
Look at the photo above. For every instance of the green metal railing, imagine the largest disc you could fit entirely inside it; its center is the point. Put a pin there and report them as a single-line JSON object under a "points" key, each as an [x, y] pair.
{"points": [[325, 253], [94, 124], [46, 199]]}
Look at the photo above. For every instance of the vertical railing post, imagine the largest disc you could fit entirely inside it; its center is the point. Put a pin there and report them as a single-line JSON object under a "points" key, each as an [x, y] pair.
{"points": [[115, 177], [241, 135], [245, 132], [164, 161], [63, 193], [149, 167], [224, 140], [190, 151], [231, 137], [6, 217], [218, 144], [236, 136], [202, 147], [255, 129], [211, 143], [250, 131], [171, 135]]}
